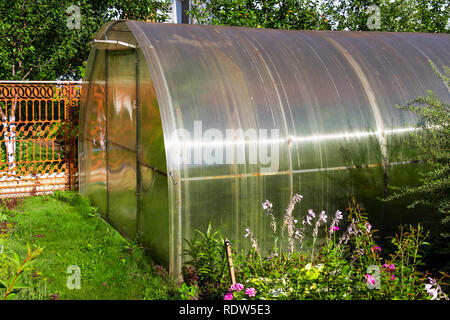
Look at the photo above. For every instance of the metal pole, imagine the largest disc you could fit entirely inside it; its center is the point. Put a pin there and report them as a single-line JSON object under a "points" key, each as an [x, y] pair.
{"points": [[106, 142], [138, 169]]}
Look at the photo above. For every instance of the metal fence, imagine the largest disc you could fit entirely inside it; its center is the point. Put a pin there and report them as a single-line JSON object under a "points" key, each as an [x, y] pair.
{"points": [[39, 137]]}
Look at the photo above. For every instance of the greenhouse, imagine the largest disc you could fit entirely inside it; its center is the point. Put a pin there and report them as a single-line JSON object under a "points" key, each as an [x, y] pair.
{"points": [[186, 125]]}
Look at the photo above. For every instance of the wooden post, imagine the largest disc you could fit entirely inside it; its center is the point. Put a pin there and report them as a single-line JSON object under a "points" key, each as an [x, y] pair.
{"points": [[230, 261]]}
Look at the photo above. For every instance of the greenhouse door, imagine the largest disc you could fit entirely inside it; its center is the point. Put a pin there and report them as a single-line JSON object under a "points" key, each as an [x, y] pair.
{"points": [[121, 123]]}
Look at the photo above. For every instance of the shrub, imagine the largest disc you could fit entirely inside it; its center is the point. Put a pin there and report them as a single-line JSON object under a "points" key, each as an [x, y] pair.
{"points": [[433, 143]]}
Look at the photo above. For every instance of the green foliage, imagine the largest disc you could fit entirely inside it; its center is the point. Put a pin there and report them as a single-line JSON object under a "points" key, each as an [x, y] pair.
{"points": [[13, 285], [208, 258], [73, 234], [395, 16], [37, 44], [432, 139], [188, 291], [275, 14], [353, 15]]}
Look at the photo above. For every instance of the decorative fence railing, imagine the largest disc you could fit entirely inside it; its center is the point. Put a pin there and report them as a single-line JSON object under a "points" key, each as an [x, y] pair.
{"points": [[38, 141]]}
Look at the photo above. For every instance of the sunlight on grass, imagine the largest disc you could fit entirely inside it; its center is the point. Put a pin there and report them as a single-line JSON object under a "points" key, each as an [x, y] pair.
{"points": [[73, 234]]}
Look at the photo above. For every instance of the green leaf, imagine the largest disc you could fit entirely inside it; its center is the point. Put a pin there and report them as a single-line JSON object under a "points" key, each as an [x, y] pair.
{"points": [[11, 296]]}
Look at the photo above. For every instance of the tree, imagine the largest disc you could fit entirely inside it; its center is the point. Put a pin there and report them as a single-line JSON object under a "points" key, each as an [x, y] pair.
{"points": [[275, 14], [352, 15], [38, 41], [394, 16], [48, 40]]}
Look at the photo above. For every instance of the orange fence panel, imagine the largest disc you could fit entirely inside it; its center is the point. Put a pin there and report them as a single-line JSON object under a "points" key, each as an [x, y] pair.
{"points": [[38, 142]]}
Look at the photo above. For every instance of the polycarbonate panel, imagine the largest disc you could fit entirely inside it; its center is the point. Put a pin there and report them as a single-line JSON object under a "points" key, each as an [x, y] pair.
{"points": [[122, 202], [153, 225], [122, 98], [152, 152], [121, 119], [96, 176], [92, 147], [262, 114], [154, 221]]}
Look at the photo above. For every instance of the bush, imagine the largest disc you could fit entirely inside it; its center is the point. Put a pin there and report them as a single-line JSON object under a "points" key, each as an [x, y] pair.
{"points": [[432, 139]]}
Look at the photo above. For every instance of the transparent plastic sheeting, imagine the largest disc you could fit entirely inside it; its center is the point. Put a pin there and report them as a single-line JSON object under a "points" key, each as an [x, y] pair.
{"points": [[162, 154]]}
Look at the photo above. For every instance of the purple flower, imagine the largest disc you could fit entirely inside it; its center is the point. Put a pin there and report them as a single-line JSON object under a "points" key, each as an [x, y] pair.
{"points": [[251, 292], [332, 229], [393, 277], [237, 287], [228, 296], [376, 248]]}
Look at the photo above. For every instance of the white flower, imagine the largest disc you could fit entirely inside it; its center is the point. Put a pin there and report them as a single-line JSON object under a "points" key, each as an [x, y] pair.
{"points": [[267, 205], [323, 217], [297, 198], [434, 290], [309, 216]]}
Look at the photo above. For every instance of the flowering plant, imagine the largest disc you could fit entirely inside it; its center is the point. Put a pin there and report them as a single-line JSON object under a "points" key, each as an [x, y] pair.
{"points": [[347, 264]]}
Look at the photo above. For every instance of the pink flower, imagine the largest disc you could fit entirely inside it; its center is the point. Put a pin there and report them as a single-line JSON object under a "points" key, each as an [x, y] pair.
{"points": [[237, 287], [376, 248], [334, 229], [228, 296], [251, 292], [390, 268], [370, 279]]}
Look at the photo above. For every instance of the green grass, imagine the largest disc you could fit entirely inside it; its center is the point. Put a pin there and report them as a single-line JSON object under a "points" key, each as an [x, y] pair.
{"points": [[73, 234]]}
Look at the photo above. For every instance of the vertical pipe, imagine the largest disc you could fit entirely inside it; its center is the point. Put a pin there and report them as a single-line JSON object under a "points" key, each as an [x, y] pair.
{"points": [[138, 169], [106, 143]]}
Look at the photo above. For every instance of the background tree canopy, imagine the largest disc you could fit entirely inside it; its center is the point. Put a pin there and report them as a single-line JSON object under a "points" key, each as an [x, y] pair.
{"points": [[36, 43], [395, 15]]}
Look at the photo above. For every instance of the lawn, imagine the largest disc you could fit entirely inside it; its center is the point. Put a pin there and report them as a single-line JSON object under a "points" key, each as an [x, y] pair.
{"points": [[73, 234]]}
